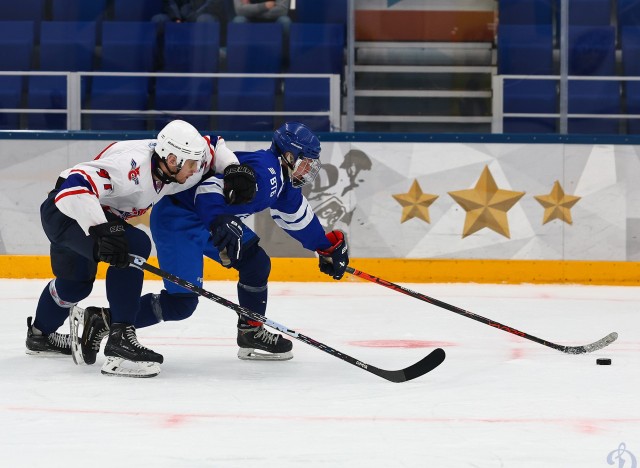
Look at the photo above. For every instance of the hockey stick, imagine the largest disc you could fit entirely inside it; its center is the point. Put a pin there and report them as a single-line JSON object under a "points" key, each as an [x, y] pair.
{"points": [[426, 364], [601, 343]]}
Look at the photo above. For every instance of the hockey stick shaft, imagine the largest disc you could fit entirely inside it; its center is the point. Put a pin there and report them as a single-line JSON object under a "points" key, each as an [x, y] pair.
{"points": [[492, 323], [426, 364]]}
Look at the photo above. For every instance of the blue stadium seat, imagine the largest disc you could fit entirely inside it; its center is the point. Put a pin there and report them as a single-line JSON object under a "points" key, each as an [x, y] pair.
{"points": [[525, 49], [628, 13], [191, 47], [17, 44], [67, 45], [307, 95], [78, 10], [633, 106], [325, 11], [592, 50], [47, 92], [23, 10], [525, 12], [592, 53], [630, 47], [254, 48], [128, 46], [530, 97], [185, 94], [589, 12], [316, 48], [594, 97], [10, 97], [246, 94], [138, 10], [119, 93]]}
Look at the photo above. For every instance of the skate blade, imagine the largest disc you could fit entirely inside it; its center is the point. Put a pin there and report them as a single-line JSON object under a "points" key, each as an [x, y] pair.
{"points": [[53, 354], [250, 354], [120, 367], [76, 317]]}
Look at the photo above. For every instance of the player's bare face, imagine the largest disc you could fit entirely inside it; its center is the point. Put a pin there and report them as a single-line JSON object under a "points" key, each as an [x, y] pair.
{"points": [[189, 167]]}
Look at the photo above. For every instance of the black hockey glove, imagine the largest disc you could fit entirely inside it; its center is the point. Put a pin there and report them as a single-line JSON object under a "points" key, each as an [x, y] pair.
{"points": [[334, 260], [111, 244], [239, 184], [226, 232]]}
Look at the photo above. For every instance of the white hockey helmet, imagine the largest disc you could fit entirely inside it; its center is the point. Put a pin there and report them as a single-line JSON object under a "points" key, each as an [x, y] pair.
{"points": [[182, 139]]}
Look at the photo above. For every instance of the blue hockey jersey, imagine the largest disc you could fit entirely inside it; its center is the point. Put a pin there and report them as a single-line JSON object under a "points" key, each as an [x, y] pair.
{"points": [[289, 208]]}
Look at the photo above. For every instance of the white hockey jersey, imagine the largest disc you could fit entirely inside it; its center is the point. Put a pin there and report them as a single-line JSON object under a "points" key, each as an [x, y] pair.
{"points": [[119, 180]]}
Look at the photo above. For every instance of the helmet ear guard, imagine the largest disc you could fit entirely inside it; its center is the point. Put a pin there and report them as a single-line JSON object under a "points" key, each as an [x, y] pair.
{"points": [[303, 144]]}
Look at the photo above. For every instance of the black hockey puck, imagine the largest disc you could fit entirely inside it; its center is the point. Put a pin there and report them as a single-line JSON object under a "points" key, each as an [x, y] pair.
{"points": [[603, 361]]}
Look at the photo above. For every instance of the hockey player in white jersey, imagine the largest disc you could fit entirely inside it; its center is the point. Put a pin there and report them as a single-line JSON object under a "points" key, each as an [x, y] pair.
{"points": [[85, 216]]}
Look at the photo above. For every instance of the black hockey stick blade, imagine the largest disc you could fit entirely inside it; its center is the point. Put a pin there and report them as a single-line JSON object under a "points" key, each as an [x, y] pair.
{"points": [[426, 364], [589, 348]]}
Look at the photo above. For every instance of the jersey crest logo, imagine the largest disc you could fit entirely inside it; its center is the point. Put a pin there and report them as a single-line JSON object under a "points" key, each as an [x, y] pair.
{"points": [[134, 173]]}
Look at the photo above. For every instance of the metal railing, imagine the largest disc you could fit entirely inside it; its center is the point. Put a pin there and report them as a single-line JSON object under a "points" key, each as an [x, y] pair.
{"points": [[74, 109]]}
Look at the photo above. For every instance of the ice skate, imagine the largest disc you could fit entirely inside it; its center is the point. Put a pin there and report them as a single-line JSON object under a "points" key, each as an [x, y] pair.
{"points": [[95, 326], [53, 344], [126, 357], [259, 344]]}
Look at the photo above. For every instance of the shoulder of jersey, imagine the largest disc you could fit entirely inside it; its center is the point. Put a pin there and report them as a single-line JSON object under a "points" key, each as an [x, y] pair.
{"points": [[141, 149]]}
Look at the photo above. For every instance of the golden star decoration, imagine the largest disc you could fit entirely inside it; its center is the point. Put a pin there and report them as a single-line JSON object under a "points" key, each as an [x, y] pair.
{"points": [[415, 203], [486, 205], [557, 205]]}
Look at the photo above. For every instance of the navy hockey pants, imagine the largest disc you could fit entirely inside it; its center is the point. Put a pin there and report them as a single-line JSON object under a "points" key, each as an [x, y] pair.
{"points": [[181, 242], [74, 268]]}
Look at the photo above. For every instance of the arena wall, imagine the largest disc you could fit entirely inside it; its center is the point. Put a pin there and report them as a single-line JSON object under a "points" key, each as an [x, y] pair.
{"points": [[413, 211]]}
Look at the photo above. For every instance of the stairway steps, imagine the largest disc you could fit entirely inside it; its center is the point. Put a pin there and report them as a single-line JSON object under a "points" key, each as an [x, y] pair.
{"points": [[423, 87]]}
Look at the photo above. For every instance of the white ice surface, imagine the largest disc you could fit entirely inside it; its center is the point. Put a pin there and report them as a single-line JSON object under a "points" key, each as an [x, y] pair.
{"points": [[496, 401]]}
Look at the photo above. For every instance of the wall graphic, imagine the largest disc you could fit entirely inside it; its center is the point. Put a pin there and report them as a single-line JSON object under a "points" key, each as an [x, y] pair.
{"points": [[408, 200]]}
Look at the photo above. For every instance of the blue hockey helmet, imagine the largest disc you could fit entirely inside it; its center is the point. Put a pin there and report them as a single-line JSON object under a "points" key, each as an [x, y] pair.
{"points": [[299, 149]]}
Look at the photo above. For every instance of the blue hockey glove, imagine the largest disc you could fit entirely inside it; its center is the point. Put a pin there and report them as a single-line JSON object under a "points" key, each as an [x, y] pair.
{"points": [[239, 184], [334, 260], [226, 232], [111, 244]]}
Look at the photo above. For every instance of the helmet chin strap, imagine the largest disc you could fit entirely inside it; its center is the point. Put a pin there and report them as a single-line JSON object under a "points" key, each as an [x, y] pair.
{"points": [[288, 164], [160, 174]]}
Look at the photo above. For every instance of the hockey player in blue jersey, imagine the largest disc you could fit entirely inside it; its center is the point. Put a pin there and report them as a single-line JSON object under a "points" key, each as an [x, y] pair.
{"points": [[205, 221]]}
